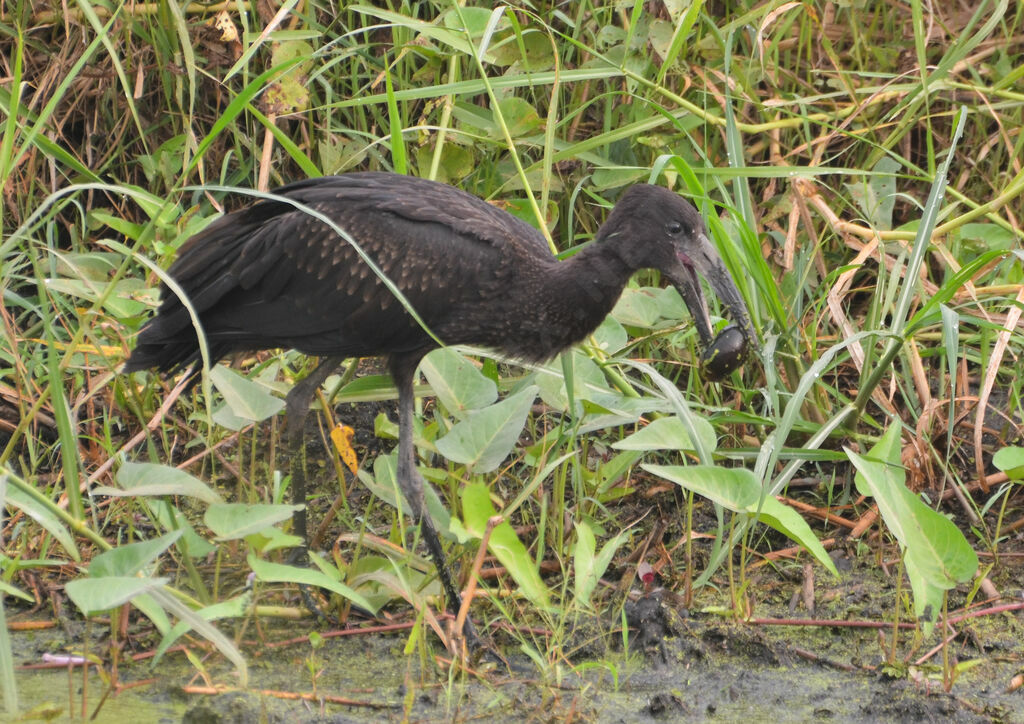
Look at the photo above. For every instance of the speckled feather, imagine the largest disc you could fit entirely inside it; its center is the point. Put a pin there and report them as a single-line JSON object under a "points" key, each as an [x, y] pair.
{"points": [[273, 276]]}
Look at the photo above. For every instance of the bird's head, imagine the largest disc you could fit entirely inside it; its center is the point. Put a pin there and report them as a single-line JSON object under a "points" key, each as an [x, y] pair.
{"points": [[654, 228]]}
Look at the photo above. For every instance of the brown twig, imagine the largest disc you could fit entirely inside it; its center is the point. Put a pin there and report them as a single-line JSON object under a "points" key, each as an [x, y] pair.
{"points": [[291, 695]]}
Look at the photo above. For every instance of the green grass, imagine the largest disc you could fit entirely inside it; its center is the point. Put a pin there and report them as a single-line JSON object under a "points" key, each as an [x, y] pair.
{"points": [[815, 138]]}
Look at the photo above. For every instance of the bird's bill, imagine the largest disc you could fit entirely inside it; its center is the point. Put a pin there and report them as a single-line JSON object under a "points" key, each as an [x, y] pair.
{"points": [[705, 261]]}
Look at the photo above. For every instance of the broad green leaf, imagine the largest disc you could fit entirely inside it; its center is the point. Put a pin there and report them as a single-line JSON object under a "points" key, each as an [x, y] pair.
{"points": [[486, 437], [35, 510], [944, 556], [236, 607], [669, 433], [384, 485], [927, 596], [587, 380], [982, 236], [791, 524], [457, 382], [610, 472], [936, 554], [1011, 461], [504, 544], [615, 177], [374, 577], [671, 305], [367, 388], [738, 490], [230, 521], [473, 119], [8, 590], [522, 209], [456, 162], [611, 336], [170, 518], [521, 118], [588, 565], [269, 572], [339, 154], [660, 35], [205, 629], [94, 595], [122, 302], [539, 55], [246, 400], [583, 562], [272, 539], [158, 480], [153, 611], [95, 265], [615, 410], [472, 20], [733, 488], [938, 548], [638, 308], [384, 428], [454, 38], [131, 558], [875, 193]]}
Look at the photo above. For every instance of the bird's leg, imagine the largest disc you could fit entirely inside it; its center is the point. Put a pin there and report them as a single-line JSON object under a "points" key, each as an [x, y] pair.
{"points": [[411, 484], [297, 404]]}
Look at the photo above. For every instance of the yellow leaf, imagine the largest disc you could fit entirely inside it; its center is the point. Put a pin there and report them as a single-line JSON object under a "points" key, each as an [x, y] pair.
{"points": [[223, 23], [341, 436]]}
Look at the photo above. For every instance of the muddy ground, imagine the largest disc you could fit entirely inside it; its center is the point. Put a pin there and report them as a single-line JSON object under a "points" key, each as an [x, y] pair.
{"points": [[679, 664], [682, 666]]}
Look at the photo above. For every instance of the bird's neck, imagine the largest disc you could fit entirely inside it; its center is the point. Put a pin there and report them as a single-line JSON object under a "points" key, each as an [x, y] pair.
{"points": [[594, 278], [580, 293]]}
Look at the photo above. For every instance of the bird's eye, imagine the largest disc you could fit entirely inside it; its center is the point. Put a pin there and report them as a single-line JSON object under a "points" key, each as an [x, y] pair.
{"points": [[674, 227]]}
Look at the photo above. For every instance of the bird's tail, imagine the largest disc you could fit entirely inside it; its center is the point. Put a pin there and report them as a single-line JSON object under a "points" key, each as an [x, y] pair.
{"points": [[167, 355], [168, 341]]}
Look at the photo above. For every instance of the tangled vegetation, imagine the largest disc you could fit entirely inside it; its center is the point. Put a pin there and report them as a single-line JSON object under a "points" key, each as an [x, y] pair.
{"points": [[859, 165]]}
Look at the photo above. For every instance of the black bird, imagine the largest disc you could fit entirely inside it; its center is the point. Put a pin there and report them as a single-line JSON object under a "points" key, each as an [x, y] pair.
{"points": [[273, 275]]}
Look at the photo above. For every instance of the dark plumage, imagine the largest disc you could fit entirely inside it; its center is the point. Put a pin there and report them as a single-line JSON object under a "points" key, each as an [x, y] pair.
{"points": [[274, 276]]}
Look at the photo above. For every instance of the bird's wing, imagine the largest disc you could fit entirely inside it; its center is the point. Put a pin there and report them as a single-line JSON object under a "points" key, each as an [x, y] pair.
{"points": [[273, 275], [418, 200], [291, 281]]}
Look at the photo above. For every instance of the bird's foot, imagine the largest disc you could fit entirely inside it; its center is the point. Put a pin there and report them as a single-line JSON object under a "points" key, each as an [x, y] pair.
{"points": [[474, 650]]}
